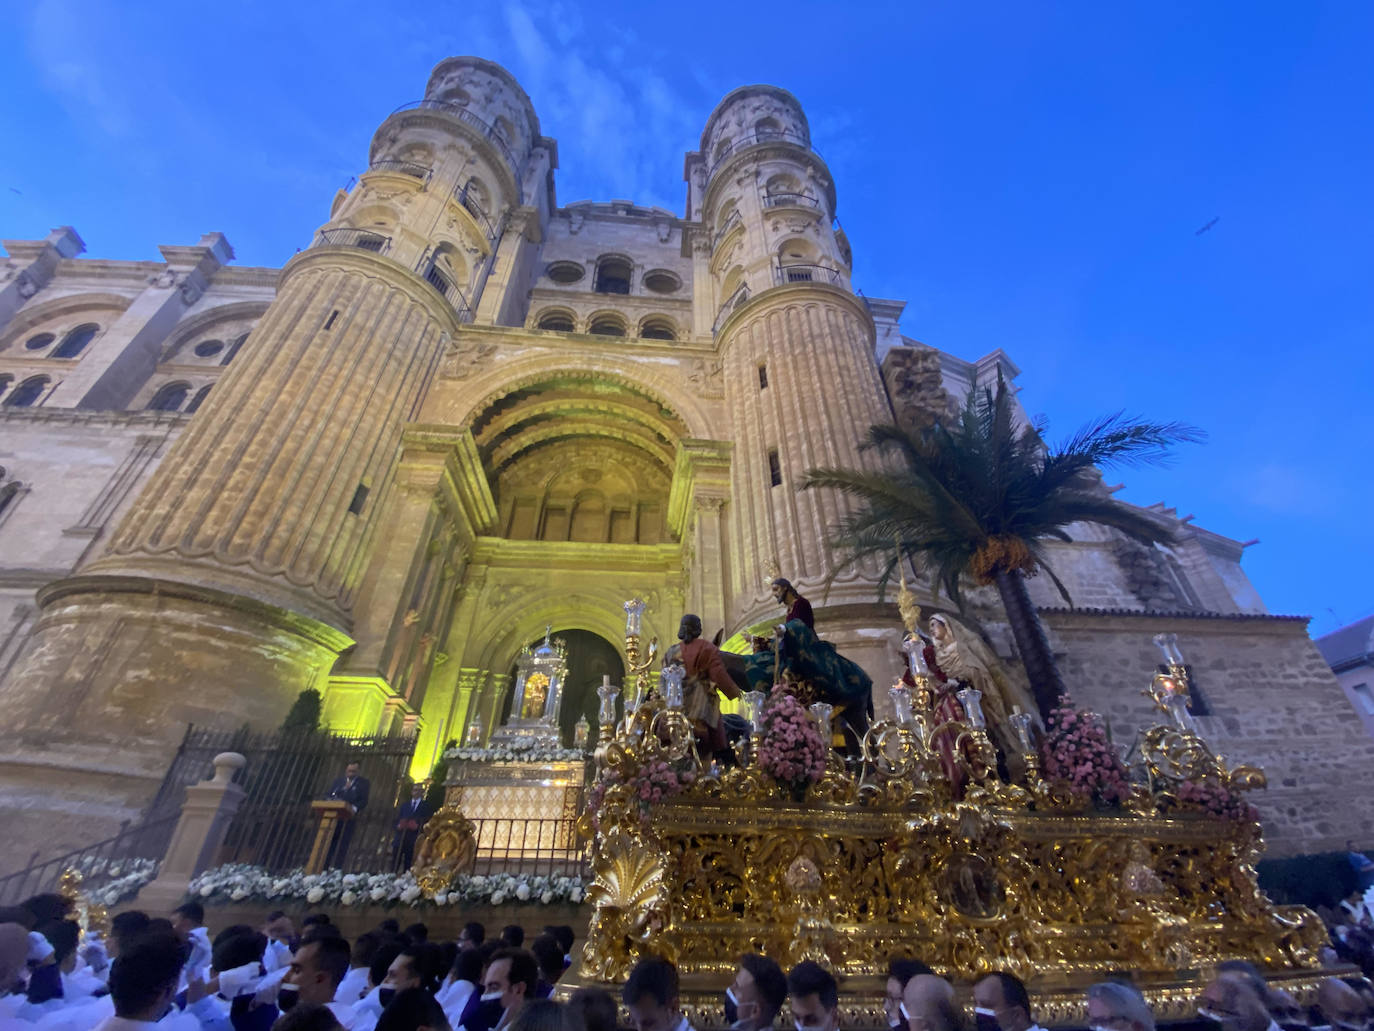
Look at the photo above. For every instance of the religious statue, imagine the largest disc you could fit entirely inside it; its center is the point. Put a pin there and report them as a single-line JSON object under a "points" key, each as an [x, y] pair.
{"points": [[536, 693], [705, 676], [961, 655]]}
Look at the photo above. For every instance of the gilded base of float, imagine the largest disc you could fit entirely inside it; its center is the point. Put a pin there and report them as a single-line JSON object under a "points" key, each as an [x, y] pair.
{"points": [[883, 861]]}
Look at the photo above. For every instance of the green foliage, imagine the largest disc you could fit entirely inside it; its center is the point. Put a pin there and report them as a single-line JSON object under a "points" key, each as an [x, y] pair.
{"points": [[1322, 879], [435, 795], [304, 717], [942, 493]]}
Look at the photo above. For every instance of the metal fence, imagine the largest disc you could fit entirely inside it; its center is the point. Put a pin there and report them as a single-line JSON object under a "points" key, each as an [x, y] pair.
{"points": [[286, 771], [133, 853], [534, 847]]}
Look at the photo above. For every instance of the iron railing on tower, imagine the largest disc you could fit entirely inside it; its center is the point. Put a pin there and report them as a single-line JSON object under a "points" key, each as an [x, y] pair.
{"points": [[731, 303], [440, 280], [725, 227], [789, 200], [464, 196], [413, 169], [347, 236], [759, 137], [489, 131], [800, 273]]}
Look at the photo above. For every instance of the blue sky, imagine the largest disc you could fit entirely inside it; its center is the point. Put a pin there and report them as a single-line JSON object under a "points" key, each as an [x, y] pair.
{"points": [[1027, 176]]}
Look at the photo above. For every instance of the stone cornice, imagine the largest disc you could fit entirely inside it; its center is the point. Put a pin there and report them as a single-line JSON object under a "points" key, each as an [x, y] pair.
{"points": [[302, 626], [233, 275], [614, 559], [85, 416], [788, 293], [1148, 620], [377, 266], [563, 344]]}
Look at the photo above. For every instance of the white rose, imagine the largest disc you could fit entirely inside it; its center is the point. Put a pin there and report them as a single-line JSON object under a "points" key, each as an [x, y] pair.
{"points": [[546, 898], [314, 895], [207, 890], [410, 894], [497, 898], [348, 898], [441, 898], [575, 895], [239, 894], [522, 892], [377, 894]]}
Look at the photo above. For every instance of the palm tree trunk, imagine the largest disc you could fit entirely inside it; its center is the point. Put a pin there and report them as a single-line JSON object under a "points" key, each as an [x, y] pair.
{"points": [[1041, 669]]}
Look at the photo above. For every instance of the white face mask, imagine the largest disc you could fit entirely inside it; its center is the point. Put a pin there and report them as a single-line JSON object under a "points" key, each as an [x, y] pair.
{"points": [[1206, 1014], [492, 996], [901, 1008]]}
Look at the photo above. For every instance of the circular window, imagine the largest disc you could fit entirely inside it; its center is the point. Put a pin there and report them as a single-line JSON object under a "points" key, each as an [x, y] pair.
{"points": [[40, 341], [208, 348], [565, 272], [661, 281]]}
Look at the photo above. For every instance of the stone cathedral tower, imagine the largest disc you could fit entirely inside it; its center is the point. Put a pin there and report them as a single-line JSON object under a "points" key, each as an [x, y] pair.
{"points": [[463, 412]]}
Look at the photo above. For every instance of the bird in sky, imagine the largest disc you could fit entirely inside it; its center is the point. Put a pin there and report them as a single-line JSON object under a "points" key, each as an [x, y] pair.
{"points": [[1208, 226]]}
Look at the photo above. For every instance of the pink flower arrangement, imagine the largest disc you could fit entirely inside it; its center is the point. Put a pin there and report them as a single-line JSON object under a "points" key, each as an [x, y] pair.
{"points": [[1076, 752], [652, 782], [1215, 799], [790, 747]]}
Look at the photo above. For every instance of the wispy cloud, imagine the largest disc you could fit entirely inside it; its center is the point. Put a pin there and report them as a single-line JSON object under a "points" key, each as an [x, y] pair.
{"points": [[75, 66], [1287, 488]]}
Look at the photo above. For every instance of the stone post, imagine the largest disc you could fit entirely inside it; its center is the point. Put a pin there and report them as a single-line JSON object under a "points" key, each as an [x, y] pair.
{"points": [[205, 817]]}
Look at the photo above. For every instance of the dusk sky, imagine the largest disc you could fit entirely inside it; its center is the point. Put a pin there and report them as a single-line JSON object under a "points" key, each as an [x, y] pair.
{"points": [[1027, 176]]}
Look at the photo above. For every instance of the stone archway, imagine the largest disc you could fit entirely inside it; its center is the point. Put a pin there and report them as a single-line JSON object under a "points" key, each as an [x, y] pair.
{"points": [[590, 657]]}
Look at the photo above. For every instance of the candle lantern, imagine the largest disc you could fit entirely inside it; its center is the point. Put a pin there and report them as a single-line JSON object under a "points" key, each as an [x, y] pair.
{"points": [[820, 712], [634, 616], [901, 703], [972, 701], [581, 730], [671, 679]]}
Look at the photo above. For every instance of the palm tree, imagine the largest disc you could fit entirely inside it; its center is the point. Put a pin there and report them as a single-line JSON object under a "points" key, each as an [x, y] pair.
{"points": [[977, 496]]}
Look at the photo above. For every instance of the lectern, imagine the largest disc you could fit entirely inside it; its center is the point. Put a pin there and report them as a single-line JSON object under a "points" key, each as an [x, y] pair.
{"points": [[332, 813]]}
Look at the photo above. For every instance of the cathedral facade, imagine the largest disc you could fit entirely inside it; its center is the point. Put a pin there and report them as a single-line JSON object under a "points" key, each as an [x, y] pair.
{"points": [[464, 412]]}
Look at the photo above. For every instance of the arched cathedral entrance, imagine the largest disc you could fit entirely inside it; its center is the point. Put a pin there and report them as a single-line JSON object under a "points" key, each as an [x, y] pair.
{"points": [[590, 657]]}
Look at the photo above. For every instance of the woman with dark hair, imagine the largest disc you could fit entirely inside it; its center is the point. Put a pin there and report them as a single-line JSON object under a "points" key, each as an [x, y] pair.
{"points": [[413, 1009]]}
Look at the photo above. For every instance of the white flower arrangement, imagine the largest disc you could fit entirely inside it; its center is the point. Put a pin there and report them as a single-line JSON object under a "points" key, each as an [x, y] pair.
{"points": [[517, 752], [126, 877], [237, 882]]}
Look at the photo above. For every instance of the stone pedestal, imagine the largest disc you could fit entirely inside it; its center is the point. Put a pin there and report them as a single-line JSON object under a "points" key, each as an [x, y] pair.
{"points": [[195, 844]]}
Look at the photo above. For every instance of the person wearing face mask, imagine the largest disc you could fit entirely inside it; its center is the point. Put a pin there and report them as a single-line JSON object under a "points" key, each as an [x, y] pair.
{"points": [[651, 995], [313, 978], [899, 972], [815, 997], [1231, 1001], [755, 997], [1001, 1003], [464, 982], [1113, 1006], [1340, 1005], [413, 1009], [508, 983]]}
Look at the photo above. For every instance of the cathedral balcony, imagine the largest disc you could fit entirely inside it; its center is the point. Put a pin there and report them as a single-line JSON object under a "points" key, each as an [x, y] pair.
{"points": [[349, 237], [790, 200], [729, 224], [447, 289], [487, 132], [754, 139], [784, 274], [735, 300], [411, 168], [464, 197]]}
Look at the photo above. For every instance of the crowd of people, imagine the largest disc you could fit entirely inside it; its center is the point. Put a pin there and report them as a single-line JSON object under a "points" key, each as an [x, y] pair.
{"points": [[170, 974]]}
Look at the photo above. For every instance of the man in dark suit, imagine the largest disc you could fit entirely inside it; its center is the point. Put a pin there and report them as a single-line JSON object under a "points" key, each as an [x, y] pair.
{"points": [[353, 789], [411, 815]]}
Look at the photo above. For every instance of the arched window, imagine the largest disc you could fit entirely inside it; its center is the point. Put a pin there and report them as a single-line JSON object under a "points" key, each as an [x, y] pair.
{"points": [[37, 343], [169, 397], [24, 395], [557, 321], [607, 326], [613, 276], [75, 342], [208, 348], [199, 399], [767, 129], [657, 327]]}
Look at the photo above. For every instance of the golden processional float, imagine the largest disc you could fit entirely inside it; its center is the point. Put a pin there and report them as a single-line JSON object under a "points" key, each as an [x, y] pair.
{"points": [[852, 862]]}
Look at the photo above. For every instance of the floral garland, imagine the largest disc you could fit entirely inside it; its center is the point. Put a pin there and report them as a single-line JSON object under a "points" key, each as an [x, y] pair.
{"points": [[1077, 753], [790, 747], [517, 752], [126, 878], [650, 783], [1214, 799], [243, 882]]}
